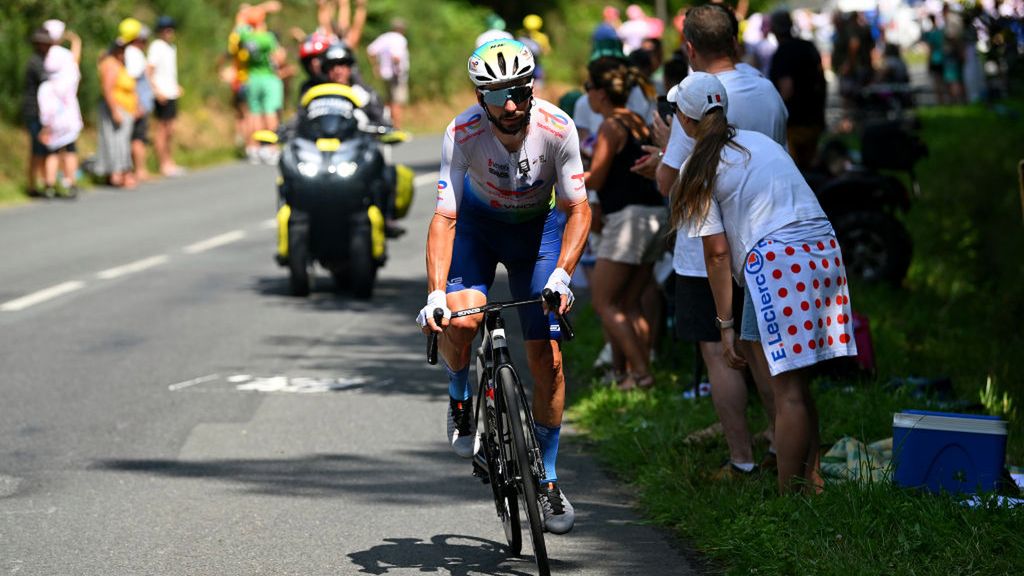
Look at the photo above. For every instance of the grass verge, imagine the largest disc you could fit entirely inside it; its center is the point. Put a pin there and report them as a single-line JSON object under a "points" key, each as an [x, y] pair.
{"points": [[949, 319]]}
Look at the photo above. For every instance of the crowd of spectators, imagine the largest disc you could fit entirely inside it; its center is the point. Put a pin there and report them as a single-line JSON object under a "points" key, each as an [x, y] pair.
{"points": [[133, 85]]}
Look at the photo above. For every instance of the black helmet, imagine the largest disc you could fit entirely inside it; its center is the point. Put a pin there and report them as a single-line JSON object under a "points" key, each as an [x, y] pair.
{"points": [[336, 53]]}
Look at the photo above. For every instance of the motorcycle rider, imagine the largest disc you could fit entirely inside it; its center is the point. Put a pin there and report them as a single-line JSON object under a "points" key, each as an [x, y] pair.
{"points": [[310, 55]]}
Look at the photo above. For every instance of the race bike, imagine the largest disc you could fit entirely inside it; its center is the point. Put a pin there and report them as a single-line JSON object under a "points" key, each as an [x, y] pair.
{"points": [[336, 191]]}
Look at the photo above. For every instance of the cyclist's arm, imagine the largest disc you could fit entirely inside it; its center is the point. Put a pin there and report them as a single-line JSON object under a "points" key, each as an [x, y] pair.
{"points": [[573, 191], [441, 234]]}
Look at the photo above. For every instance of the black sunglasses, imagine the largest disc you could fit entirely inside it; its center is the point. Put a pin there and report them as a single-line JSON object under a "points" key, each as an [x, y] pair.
{"points": [[517, 94]]}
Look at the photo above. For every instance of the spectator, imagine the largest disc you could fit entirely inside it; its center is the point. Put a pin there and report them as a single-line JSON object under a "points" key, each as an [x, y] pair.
{"points": [[118, 107], [934, 38], [59, 111], [797, 74], [761, 225], [389, 55], [137, 66], [35, 75], [163, 60], [633, 214], [606, 30], [953, 53], [633, 31], [755, 105], [264, 92], [654, 47], [495, 30], [538, 43]]}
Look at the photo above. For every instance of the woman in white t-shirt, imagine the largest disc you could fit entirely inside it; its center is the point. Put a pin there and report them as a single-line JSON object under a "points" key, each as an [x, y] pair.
{"points": [[760, 223]]}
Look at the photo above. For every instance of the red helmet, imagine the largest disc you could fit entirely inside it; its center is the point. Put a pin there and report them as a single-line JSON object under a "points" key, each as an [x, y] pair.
{"points": [[314, 46]]}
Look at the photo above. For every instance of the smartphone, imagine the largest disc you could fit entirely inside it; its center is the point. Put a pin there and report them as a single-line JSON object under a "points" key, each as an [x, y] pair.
{"points": [[666, 109]]}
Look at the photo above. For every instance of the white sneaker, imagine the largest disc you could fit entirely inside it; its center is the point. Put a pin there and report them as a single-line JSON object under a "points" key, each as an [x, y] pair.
{"points": [[604, 358]]}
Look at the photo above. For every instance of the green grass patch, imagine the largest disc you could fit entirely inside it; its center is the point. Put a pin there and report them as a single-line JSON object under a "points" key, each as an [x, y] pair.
{"points": [[955, 316]]}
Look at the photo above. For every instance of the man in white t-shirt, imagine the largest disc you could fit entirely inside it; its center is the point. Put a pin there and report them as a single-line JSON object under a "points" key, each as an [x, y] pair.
{"points": [[754, 104], [389, 54], [163, 60]]}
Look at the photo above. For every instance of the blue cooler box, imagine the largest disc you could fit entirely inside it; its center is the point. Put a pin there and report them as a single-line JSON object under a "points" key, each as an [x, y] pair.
{"points": [[940, 451]]}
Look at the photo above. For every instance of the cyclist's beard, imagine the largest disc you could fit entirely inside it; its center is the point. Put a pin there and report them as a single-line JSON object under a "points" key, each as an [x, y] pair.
{"points": [[501, 127]]}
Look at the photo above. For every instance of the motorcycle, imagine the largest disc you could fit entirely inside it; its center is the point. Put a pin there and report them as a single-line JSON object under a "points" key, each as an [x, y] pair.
{"points": [[863, 200], [335, 191]]}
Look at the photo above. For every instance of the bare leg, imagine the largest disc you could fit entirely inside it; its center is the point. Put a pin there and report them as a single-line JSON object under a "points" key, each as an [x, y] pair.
{"points": [[545, 359], [50, 170], [796, 428], [729, 395], [762, 379], [653, 309], [139, 160], [611, 280], [454, 344], [69, 164]]}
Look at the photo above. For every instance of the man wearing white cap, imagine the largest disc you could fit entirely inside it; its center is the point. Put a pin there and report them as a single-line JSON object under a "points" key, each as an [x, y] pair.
{"points": [[711, 44]]}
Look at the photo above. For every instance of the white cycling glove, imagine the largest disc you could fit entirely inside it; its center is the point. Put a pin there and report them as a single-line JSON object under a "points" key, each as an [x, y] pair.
{"points": [[436, 299], [559, 282]]}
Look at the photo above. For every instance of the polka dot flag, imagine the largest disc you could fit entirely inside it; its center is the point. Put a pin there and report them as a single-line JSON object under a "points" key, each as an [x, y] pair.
{"points": [[801, 301]]}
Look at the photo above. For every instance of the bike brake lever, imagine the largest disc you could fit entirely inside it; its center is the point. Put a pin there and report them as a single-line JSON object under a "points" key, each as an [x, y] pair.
{"points": [[554, 300], [432, 338]]}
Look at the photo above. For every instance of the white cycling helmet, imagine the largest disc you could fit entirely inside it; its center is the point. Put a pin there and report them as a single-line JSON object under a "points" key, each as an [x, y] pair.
{"points": [[500, 61]]}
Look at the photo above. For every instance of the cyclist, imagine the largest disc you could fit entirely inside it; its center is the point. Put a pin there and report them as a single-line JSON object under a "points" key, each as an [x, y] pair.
{"points": [[495, 203]]}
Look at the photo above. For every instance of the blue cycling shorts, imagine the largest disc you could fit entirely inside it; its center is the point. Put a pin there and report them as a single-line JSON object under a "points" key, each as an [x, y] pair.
{"points": [[528, 250]]}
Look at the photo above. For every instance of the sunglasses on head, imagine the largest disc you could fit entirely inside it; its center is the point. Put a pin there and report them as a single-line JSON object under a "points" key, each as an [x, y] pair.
{"points": [[517, 94]]}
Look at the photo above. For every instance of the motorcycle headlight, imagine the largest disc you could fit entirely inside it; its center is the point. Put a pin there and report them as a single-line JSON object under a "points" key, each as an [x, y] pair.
{"points": [[309, 159], [343, 169]]}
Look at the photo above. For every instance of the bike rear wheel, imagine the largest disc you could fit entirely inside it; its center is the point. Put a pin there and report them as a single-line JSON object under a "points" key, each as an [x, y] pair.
{"points": [[498, 455], [523, 472]]}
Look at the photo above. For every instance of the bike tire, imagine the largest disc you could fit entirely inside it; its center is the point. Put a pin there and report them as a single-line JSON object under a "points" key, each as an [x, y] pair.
{"points": [[525, 478], [506, 499]]}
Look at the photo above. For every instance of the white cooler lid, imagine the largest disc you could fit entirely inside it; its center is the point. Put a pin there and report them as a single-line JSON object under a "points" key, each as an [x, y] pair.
{"points": [[980, 425]]}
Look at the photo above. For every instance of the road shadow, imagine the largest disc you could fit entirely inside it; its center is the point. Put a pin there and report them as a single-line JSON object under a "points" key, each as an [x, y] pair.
{"points": [[403, 478], [454, 554]]}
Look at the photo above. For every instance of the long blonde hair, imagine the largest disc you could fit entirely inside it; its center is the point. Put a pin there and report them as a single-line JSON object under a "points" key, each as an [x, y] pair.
{"points": [[691, 194]]}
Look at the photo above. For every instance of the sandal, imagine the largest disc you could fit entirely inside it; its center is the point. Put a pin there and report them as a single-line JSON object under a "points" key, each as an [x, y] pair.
{"points": [[624, 381], [644, 382]]}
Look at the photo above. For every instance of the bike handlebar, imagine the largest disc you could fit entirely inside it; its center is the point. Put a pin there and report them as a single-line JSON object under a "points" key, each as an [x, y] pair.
{"points": [[552, 299]]}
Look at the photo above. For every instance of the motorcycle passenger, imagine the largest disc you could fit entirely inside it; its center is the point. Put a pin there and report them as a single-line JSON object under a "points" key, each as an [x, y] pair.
{"points": [[495, 203], [310, 54]]}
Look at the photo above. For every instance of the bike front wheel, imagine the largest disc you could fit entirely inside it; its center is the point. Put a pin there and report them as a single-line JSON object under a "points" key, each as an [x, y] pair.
{"points": [[523, 472], [497, 452]]}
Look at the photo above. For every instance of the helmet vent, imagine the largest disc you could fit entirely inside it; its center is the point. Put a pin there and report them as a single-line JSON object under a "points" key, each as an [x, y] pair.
{"points": [[501, 63], [490, 71]]}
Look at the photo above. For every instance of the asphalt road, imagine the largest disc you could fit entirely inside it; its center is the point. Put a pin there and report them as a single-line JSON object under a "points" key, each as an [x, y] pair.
{"points": [[166, 408]]}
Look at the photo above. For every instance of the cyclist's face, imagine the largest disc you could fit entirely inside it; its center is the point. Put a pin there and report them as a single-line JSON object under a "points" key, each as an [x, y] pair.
{"points": [[512, 113]]}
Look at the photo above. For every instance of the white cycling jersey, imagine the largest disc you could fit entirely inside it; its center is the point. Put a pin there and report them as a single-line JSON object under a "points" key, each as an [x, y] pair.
{"points": [[477, 169]]}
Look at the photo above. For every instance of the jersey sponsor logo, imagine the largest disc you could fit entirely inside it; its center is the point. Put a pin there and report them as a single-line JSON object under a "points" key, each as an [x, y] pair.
{"points": [[441, 187], [521, 191], [578, 182], [474, 64], [553, 123], [540, 160], [468, 129], [496, 168], [516, 206]]}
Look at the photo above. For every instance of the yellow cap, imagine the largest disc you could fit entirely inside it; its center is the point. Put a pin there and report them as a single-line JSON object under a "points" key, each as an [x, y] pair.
{"points": [[128, 30], [532, 22]]}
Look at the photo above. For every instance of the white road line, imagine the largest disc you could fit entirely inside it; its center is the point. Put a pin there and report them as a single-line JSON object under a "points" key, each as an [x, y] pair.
{"points": [[215, 242], [41, 296], [424, 179], [137, 266], [193, 382], [269, 224]]}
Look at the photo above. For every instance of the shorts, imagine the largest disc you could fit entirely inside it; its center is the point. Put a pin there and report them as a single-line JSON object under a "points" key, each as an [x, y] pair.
{"points": [[633, 235], [696, 312], [748, 327], [35, 126], [528, 250], [264, 93], [396, 90], [69, 148], [166, 111], [140, 130]]}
